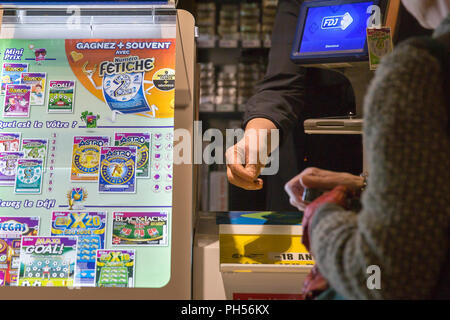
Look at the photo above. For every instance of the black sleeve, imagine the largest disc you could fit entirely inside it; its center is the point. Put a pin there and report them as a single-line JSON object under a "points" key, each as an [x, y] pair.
{"points": [[280, 95]]}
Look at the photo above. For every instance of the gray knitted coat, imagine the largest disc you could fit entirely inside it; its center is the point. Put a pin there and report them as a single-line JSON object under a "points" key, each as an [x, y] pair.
{"points": [[404, 226]]}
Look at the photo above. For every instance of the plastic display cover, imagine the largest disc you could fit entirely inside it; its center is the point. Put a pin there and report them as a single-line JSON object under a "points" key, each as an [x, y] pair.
{"points": [[86, 139], [86, 2], [328, 32]]}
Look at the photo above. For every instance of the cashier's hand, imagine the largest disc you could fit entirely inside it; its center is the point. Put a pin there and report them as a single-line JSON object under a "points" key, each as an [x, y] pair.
{"points": [[247, 158], [315, 178]]}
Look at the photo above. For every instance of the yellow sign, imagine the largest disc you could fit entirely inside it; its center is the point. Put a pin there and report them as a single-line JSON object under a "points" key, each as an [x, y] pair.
{"points": [[264, 249]]}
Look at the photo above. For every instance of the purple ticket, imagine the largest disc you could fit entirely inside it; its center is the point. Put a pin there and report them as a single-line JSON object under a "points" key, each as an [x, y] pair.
{"points": [[11, 73], [12, 229], [37, 81], [60, 242], [8, 167], [2, 277], [9, 141], [142, 142], [117, 170], [17, 101], [16, 227]]}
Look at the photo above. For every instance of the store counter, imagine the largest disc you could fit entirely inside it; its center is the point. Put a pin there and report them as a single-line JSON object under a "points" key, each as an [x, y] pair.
{"points": [[250, 255]]}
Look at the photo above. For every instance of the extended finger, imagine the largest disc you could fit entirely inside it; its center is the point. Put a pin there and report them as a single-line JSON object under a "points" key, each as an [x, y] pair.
{"points": [[294, 188], [299, 205]]}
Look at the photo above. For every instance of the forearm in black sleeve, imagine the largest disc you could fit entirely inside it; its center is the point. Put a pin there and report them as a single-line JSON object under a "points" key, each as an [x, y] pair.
{"points": [[280, 95]]}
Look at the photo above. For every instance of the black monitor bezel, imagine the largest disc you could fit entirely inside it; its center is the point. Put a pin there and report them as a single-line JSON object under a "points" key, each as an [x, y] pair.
{"points": [[334, 57]]}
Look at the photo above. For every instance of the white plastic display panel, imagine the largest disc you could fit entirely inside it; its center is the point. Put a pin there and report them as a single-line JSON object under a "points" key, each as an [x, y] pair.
{"points": [[108, 106]]}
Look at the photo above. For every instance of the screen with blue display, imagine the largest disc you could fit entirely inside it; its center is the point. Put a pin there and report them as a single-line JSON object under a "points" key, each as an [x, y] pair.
{"points": [[335, 29]]}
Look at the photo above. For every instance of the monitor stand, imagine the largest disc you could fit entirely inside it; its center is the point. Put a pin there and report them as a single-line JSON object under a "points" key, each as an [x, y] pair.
{"points": [[359, 76]]}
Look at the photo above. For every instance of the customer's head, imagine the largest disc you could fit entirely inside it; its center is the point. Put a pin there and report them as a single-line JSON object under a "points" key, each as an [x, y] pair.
{"points": [[429, 13]]}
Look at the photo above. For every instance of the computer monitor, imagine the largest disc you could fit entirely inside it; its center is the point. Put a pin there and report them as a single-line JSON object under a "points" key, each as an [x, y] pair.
{"points": [[334, 31]]}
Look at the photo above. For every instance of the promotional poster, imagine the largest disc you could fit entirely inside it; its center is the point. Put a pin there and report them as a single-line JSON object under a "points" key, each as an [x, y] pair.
{"points": [[68, 99]]}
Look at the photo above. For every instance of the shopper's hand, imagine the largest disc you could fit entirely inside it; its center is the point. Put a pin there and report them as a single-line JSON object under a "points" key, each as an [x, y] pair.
{"points": [[314, 284], [339, 195], [323, 179], [247, 158], [315, 178]]}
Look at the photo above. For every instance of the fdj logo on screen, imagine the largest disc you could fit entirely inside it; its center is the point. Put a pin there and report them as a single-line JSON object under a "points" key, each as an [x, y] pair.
{"points": [[337, 22]]}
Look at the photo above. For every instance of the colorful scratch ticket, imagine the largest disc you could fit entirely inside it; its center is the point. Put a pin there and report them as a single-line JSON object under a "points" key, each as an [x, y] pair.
{"points": [[115, 268], [8, 167], [379, 44], [86, 157], [2, 276], [61, 96], [142, 142], [37, 81], [48, 261], [12, 229], [9, 141], [11, 74], [29, 176], [17, 101], [140, 229], [117, 170], [35, 149], [90, 229], [124, 92]]}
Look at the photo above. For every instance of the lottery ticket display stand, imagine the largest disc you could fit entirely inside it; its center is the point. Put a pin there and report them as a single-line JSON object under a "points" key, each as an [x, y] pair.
{"points": [[90, 197]]}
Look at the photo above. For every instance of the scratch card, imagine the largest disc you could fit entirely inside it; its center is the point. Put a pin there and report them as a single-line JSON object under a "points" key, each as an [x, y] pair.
{"points": [[35, 149], [17, 101], [11, 74], [48, 261], [117, 170], [61, 96], [8, 167], [37, 82], [379, 44], [139, 228], [142, 142], [9, 141], [124, 92], [89, 228], [12, 229], [86, 157], [29, 176], [115, 268]]}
